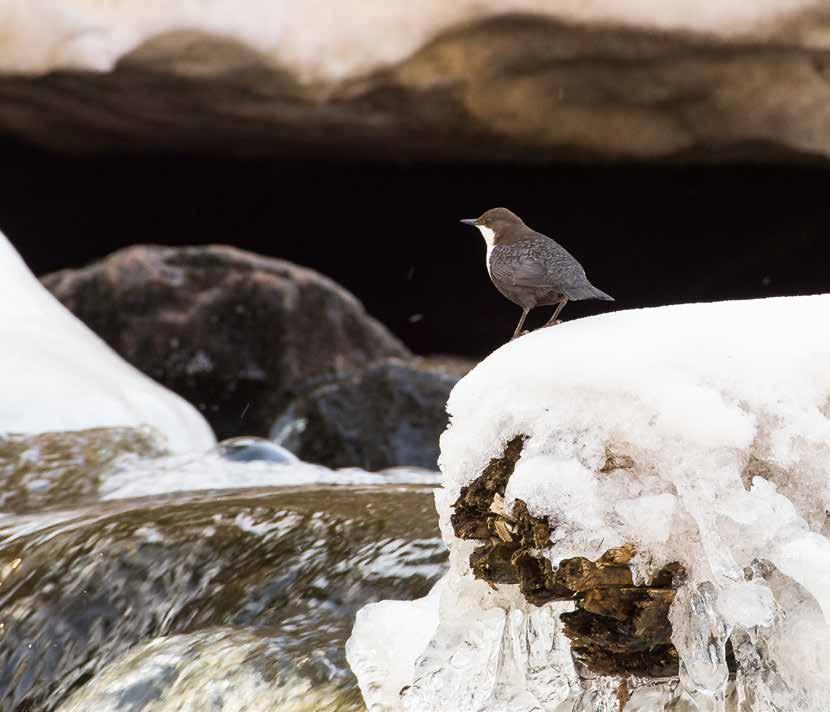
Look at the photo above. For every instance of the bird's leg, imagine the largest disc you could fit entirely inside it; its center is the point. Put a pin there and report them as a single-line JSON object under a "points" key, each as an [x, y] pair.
{"points": [[559, 307], [521, 324]]}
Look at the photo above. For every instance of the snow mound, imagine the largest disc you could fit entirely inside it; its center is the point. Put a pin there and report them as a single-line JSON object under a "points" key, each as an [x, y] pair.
{"points": [[58, 375], [321, 40], [696, 435]]}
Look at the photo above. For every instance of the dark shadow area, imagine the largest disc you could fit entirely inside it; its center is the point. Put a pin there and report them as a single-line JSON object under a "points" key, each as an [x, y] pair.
{"points": [[648, 235]]}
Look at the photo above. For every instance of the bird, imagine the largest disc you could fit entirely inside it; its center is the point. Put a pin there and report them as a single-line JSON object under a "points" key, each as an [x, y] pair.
{"points": [[529, 268]]}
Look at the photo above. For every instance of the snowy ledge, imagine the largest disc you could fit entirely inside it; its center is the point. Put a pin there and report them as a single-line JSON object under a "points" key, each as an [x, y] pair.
{"points": [[332, 41], [636, 507], [494, 80]]}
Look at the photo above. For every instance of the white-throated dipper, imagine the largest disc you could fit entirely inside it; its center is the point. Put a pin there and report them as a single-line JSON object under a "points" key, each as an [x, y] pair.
{"points": [[529, 268]]}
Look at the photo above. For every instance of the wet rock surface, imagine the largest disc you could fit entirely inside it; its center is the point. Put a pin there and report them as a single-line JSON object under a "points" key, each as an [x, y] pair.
{"points": [[618, 628], [234, 333], [391, 414], [514, 87], [287, 568]]}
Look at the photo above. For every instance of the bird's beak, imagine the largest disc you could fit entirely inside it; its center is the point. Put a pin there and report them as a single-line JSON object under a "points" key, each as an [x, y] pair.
{"points": [[470, 221]]}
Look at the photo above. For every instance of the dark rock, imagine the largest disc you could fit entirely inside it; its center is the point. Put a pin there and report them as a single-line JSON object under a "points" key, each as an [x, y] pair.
{"points": [[232, 332], [391, 414]]}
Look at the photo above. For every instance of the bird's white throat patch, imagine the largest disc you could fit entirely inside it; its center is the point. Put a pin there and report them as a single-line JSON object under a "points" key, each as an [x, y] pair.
{"points": [[488, 235]]}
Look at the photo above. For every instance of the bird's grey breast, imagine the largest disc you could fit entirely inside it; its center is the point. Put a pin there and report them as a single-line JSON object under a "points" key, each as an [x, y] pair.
{"points": [[534, 271], [519, 272]]}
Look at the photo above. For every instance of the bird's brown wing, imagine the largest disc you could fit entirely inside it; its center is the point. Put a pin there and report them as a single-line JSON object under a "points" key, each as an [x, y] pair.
{"points": [[564, 272], [519, 267]]}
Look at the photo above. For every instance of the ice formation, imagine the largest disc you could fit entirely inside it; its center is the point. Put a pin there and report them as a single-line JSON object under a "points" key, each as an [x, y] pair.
{"points": [[320, 40], [58, 375], [674, 457]]}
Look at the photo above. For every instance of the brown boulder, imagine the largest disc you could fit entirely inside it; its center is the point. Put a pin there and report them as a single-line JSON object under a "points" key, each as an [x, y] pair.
{"points": [[235, 333], [495, 86]]}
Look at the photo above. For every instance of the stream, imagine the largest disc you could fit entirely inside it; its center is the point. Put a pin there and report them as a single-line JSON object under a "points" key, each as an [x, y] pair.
{"points": [[135, 581]]}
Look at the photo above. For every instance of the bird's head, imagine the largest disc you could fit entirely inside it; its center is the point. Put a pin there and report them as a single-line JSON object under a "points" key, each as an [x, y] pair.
{"points": [[495, 223]]}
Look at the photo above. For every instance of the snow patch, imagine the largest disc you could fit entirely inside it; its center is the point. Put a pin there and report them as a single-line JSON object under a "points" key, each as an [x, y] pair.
{"points": [[58, 375]]}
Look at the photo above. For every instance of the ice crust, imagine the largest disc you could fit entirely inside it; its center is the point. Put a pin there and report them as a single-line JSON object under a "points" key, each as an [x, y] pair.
{"points": [[56, 374], [699, 434], [319, 40]]}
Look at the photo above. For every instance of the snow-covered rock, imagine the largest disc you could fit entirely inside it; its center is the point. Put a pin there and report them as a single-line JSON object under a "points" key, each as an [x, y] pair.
{"points": [[55, 374], [516, 79], [693, 437], [320, 40]]}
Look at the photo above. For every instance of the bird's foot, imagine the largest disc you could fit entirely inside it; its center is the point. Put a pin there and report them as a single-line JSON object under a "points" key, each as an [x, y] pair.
{"points": [[553, 323], [519, 335]]}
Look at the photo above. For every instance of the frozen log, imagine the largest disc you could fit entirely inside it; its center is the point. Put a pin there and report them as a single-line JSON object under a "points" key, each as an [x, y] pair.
{"points": [[617, 627], [636, 506]]}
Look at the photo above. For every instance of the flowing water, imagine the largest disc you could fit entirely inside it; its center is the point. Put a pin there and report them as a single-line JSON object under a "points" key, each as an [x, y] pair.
{"points": [[239, 598]]}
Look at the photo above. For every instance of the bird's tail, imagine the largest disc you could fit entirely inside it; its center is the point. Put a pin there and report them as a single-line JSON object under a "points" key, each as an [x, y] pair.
{"points": [[589, 291]]}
